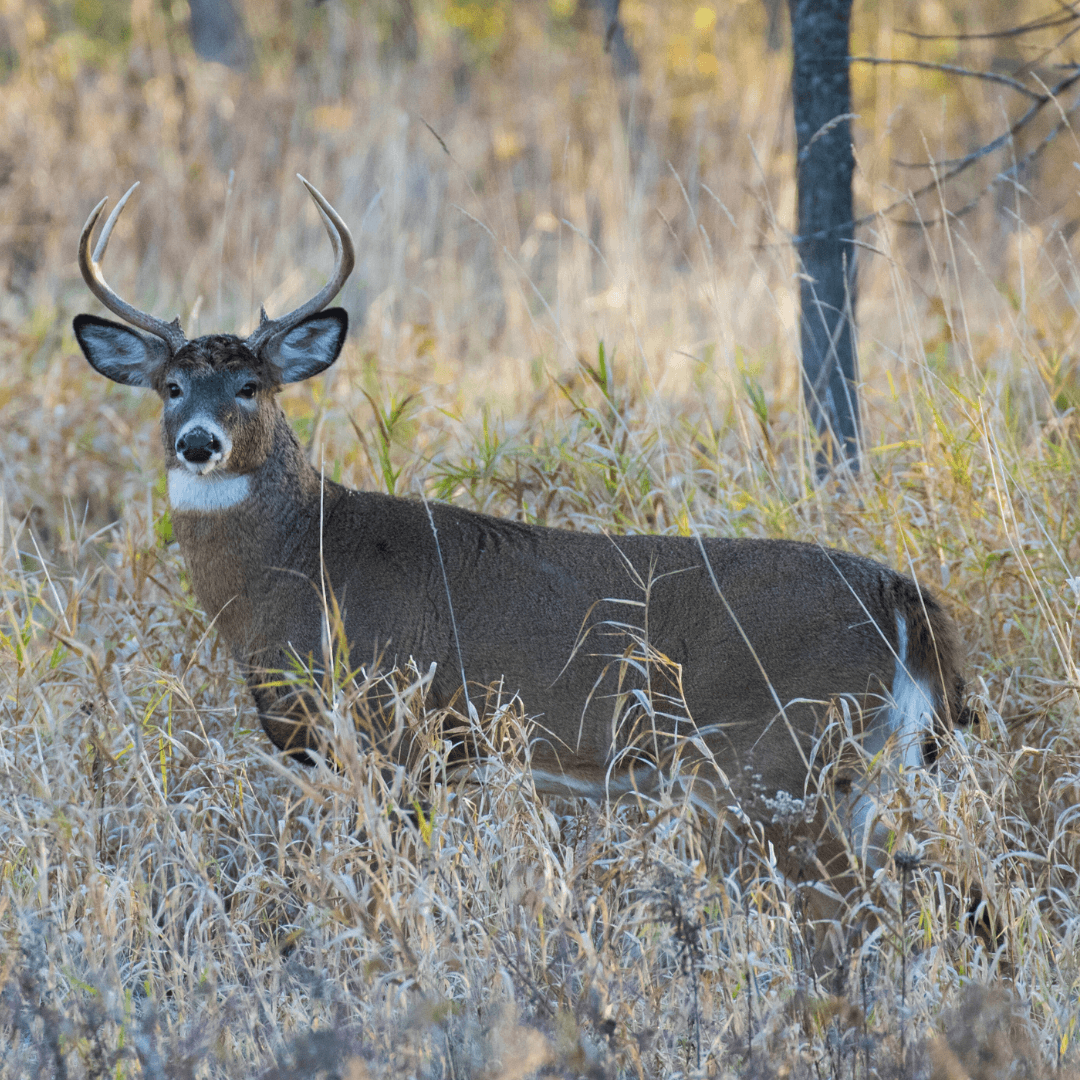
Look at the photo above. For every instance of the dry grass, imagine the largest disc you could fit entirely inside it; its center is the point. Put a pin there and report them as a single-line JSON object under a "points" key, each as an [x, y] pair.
{"points": [[174, 901]]}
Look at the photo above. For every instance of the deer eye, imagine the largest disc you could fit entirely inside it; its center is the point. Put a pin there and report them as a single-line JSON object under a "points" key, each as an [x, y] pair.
{"points": [[248, 390], [174, 390]]}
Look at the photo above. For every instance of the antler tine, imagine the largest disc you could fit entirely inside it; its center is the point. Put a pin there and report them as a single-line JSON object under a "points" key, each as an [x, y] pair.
{"points": [[344, 260], [90, 266]]}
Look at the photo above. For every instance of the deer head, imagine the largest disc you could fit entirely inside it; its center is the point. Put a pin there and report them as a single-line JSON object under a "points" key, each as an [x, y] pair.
{"points": [[218, 390]]}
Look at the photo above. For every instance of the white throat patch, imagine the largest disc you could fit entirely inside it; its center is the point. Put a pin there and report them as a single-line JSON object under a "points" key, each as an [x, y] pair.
{"points": [[202, 494]]}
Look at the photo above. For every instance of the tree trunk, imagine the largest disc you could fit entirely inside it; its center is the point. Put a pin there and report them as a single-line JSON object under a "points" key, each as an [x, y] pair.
{"points": [[624, 60], [217, 33], [822, 93]]}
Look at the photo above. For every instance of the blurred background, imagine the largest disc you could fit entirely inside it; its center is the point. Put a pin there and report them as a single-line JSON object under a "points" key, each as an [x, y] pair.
{"points": [[513, 187], [528, 179]]}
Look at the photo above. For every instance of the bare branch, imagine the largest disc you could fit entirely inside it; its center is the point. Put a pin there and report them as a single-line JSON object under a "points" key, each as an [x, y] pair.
{"points": [[959, 164], [952, 69], [1010, 173], [1047, 22]]}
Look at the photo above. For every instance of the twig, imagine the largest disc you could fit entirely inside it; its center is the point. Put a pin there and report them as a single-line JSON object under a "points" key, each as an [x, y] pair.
{"points": [[951, 69], [1047, 23]]}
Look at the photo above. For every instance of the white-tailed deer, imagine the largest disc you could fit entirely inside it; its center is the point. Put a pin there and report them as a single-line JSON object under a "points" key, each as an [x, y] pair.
{"points": [[629, 651]]}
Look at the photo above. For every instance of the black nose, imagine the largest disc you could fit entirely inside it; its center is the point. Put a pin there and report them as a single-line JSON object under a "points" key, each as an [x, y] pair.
{"points": [[197, 445]]}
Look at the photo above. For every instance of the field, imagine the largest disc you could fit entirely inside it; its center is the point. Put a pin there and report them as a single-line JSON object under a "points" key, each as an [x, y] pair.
{"points": [[573, 304]]}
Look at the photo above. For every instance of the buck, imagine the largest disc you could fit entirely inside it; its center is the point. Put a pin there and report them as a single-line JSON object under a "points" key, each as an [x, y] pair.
{"points": [[636, 656]]}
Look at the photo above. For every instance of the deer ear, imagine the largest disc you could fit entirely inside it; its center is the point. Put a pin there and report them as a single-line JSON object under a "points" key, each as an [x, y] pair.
{"points": [[309, 347], [118, 352]]}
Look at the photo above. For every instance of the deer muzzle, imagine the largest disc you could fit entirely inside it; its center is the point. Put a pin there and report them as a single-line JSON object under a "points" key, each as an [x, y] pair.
{"points": [[200, 449]]}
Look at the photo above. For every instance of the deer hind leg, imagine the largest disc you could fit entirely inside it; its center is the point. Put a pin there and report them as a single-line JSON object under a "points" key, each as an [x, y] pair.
{"points": [[901, 737]]}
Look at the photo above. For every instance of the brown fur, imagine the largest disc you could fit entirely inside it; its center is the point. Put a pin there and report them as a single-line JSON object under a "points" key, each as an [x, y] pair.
{"points": [[548, 612]]}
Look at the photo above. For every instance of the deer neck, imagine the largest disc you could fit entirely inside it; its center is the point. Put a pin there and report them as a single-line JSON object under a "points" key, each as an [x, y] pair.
{"points": [[235, 528]]}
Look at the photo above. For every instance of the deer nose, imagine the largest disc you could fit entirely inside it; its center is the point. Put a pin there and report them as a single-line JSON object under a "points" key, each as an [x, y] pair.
{"points": [[197, 445]]}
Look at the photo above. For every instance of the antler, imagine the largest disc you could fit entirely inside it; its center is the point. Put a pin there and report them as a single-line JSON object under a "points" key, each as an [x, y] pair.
{"points": [[90, 265], [344, 260]]}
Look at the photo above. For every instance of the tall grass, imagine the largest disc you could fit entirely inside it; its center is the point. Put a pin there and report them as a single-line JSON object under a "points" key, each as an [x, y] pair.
{"points": [[575, 308]]}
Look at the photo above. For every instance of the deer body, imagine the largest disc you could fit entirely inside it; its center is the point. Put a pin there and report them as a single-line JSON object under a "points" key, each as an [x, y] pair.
{"points": [[548, 615], [629, 651]]}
